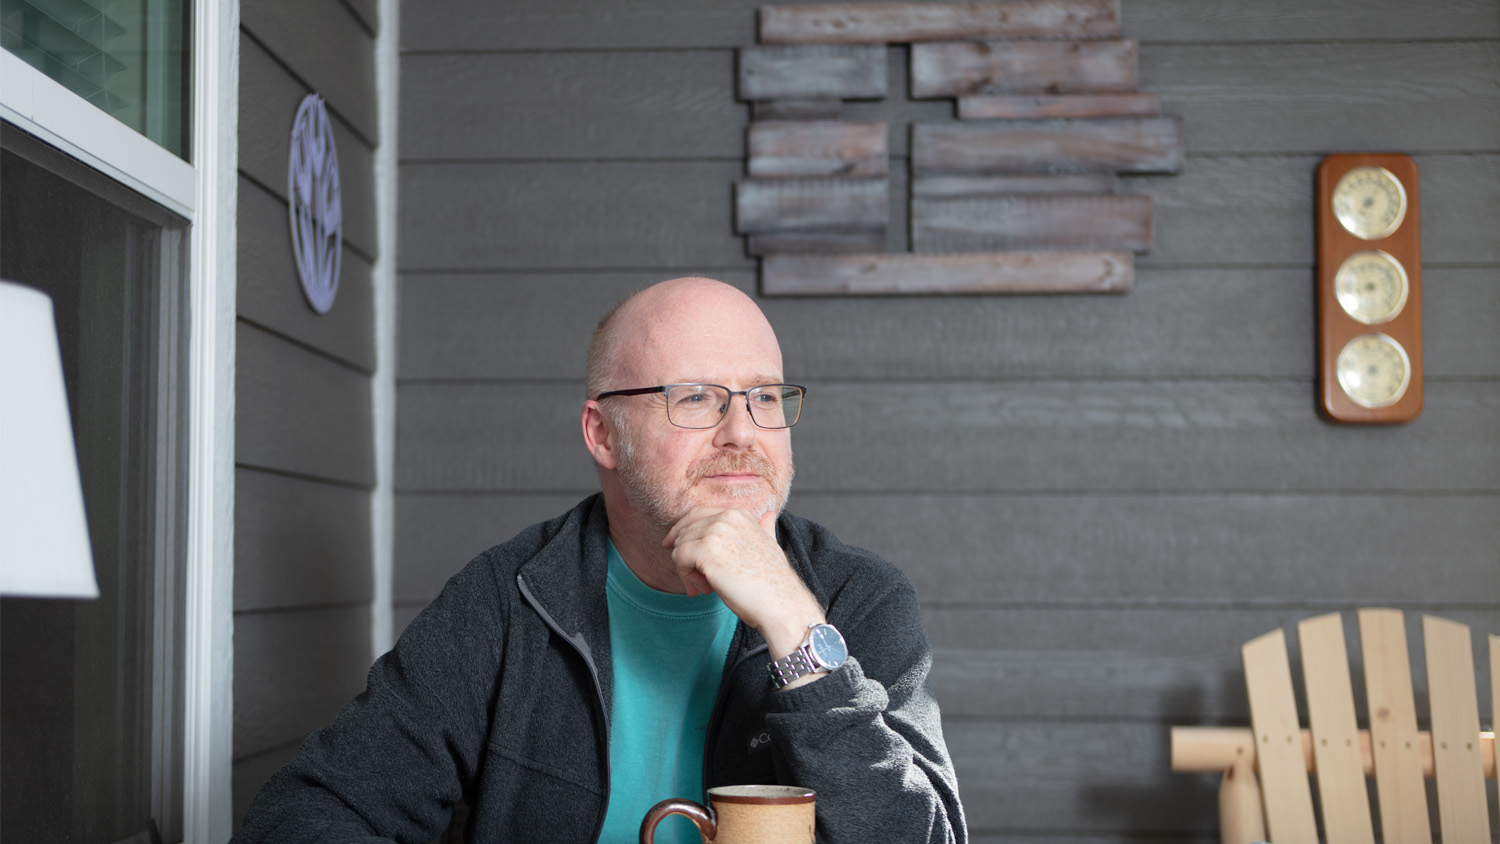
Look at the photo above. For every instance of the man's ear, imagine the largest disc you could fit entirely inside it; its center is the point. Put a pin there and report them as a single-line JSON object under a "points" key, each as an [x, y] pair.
{"points": [[600, 435]]}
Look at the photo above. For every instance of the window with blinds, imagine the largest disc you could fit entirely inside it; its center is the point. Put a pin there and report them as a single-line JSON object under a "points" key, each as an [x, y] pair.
{"points": [[130, 58]]}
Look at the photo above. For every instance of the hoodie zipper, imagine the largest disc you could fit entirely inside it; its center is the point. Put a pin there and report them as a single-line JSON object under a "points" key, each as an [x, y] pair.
{"points": [[716, 716], [577, 643]]}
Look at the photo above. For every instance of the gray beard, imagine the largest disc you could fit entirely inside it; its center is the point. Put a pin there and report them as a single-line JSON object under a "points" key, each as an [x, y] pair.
{"points": [[662, 509]]}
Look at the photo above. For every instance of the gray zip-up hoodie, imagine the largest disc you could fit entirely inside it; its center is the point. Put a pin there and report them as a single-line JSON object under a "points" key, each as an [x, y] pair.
{"points": [[499, 693]]}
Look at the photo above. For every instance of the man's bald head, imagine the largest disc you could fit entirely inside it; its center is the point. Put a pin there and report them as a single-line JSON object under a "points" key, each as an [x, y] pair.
{"points": [[671, 314]]}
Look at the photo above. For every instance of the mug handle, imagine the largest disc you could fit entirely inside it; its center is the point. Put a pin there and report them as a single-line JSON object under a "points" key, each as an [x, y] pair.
{"points": [[704, 819]]}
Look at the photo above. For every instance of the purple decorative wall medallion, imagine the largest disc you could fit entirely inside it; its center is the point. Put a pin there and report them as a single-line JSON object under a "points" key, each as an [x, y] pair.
{"points": [[316, 212]]}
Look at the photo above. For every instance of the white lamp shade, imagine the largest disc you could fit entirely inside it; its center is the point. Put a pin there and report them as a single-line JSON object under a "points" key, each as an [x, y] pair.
{"points": [[44, 536]]}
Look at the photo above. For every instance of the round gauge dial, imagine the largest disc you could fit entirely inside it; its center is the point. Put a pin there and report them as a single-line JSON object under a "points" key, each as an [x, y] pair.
{"points": [[1369, 202], [1371, 286], [1374, 370]]}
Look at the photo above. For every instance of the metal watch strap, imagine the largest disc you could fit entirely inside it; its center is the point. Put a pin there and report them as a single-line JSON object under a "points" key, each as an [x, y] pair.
{"points": [[796, 664]]}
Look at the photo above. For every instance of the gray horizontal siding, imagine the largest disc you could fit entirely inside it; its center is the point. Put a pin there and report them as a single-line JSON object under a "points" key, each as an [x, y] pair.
{"points": [[294, 671], [568, 105], [573, 24], [1149, 665], [1056, 435], [299, 543], [1015, 551], [300, 413], [328, 48], [666, 105], [303, 434], [1239, 322], [1259, 210], [574, 214]]}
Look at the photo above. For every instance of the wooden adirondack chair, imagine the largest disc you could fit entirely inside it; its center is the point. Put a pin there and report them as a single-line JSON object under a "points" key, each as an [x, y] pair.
{"points": [[1341, 755]]}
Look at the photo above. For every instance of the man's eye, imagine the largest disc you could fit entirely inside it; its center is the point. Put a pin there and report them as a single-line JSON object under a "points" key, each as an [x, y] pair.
{"points": [[767, 398], [694, 398]]}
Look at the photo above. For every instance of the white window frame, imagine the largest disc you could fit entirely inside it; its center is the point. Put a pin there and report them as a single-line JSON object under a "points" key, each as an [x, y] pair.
{"points": [[203, 192]]}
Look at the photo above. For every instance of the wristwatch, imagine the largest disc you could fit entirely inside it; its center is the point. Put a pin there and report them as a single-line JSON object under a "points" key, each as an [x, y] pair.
{"points": [[823, 650]]}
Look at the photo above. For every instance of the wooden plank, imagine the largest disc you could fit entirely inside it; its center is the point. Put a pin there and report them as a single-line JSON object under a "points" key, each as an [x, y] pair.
{"points": [[578, 215], [299, 412], [485, 26], [1434, 98], [325, 45], [269, 98], [269, 294], [1495, 703], [954, 186], [965, 435], [979, 272], [900, 22], [299, 543], [781, 148], [1463, 807], [812, 71], [796, 110], [1342, 792], [817, 243], [1215, 748], [898, 109], [1393, 727], [1273, 714], [1109, 222], [993, 68], [293, 671], [576, 105], [1121, 145], [834, 204], [1059, 106]]}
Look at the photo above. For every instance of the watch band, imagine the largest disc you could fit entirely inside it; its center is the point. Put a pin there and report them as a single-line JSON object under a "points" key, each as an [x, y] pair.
{"points": [[796, 664]]}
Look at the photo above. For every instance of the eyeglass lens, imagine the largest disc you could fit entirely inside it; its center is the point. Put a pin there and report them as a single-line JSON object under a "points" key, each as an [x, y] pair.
{"points": [[703, 405]]}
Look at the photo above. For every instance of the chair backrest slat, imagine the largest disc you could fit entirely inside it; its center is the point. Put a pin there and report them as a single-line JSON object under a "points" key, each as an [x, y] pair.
{"points": [[1462, 806], [1495, 713], [1394, 742], [1278, 741], [1342, 791]]}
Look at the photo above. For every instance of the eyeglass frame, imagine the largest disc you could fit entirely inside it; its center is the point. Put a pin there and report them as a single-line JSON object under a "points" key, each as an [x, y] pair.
{"points": [[642, 391]]}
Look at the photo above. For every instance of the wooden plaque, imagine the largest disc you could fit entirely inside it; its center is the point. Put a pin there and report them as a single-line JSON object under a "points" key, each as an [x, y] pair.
{"points": [[1368, 331]]}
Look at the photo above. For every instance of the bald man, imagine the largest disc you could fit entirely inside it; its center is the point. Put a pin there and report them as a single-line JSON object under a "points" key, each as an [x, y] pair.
{"points": [[674, 632]]}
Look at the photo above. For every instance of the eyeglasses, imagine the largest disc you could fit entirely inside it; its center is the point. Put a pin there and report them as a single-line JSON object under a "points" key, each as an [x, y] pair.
{"points": [[704, 405]]}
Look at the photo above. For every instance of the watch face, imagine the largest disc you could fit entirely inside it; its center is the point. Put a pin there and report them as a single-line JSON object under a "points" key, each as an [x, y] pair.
{"points": [[1369, 202], [827, 647], [1374, 370], [1371, 286]]}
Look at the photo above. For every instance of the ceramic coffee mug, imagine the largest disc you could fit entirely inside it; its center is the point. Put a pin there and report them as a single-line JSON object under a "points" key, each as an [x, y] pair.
{"points": [[743, 814]]}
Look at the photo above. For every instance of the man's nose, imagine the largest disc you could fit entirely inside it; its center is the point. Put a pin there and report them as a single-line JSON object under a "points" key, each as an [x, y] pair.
{"points": [[736, 428]]}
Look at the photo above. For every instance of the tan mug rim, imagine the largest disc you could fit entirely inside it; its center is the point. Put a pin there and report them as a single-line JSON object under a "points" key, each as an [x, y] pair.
{"points": [[765, 795]]}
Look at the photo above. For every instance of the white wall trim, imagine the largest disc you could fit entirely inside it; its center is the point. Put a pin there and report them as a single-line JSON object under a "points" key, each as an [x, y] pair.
{"points": [[46, 110], [209, 658], [383, 385]]}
